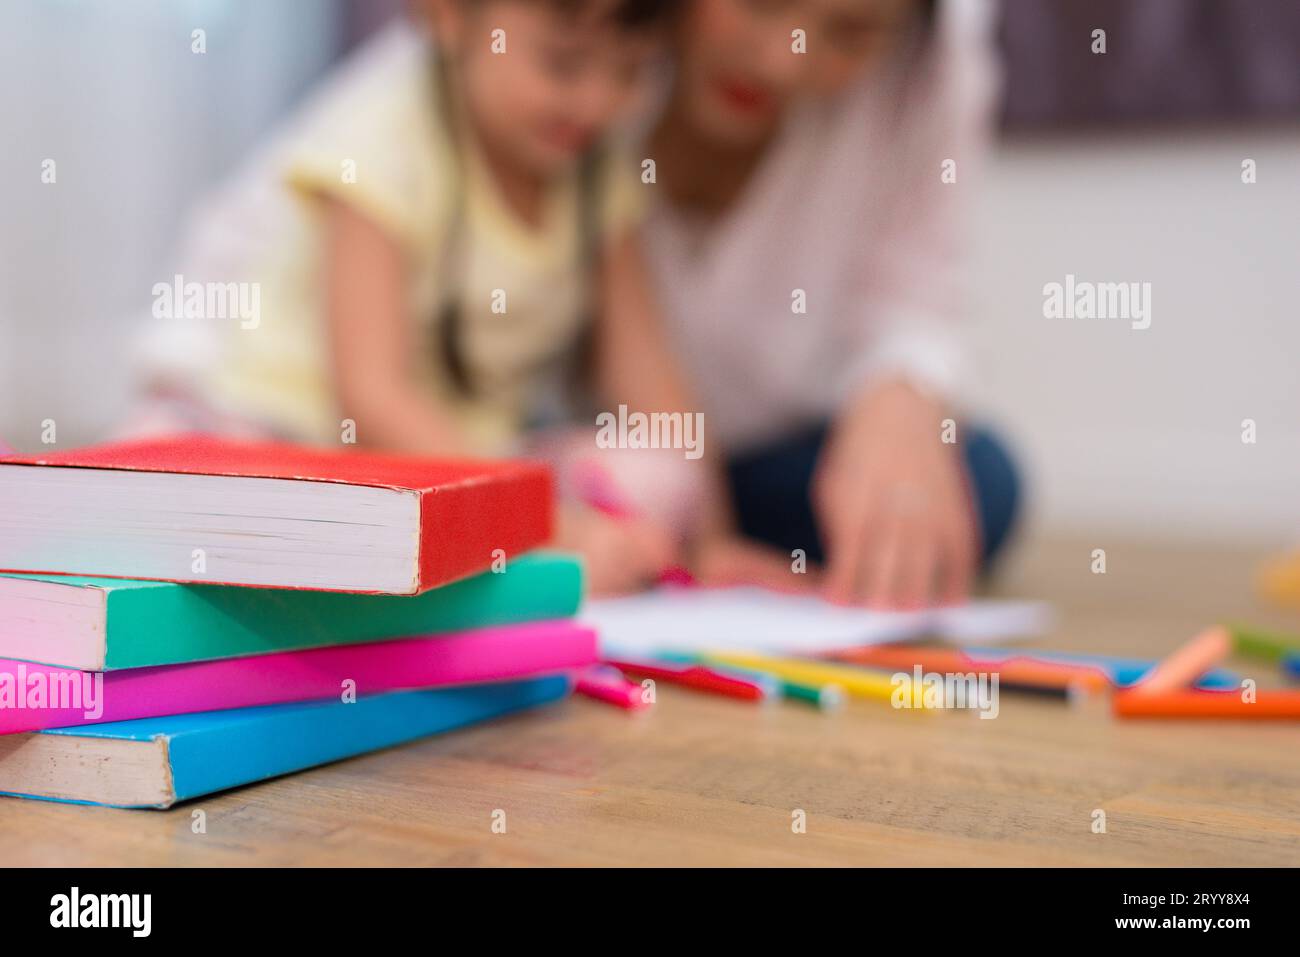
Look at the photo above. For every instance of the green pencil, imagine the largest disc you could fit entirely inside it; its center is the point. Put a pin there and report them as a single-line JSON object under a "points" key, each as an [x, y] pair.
{"points": [[1252, 643], [825, 696]]}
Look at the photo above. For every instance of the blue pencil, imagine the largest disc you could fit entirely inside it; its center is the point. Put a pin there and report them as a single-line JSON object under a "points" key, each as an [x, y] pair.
{"points": [[1291, 665]]}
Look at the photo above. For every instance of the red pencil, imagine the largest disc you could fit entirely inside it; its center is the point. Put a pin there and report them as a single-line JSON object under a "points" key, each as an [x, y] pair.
{"points": [[695, 676]]}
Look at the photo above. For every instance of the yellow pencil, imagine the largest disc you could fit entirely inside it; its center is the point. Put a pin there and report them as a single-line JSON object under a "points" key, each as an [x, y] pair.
{"points": [[857, 682]]}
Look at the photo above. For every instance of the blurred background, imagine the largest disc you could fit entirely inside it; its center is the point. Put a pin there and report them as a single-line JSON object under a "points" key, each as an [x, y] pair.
{"points": [[1122, 167]]}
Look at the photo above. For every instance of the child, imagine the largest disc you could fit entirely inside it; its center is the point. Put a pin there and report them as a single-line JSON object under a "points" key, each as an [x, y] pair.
{"points": [[424, 241]]}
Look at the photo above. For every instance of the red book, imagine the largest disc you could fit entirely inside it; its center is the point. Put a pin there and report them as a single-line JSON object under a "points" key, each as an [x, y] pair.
{"points": [[206, 510]]}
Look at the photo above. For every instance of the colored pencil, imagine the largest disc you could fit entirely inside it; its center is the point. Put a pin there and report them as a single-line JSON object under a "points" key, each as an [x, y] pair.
{"points": [[1054, 688], [1291, 665], [1269, 705], [697, 678], [1014, 673], [1279, 581], [856, 682], [1182, 668], [607, 685], [1270, 646], [1122, 671], [825, 696]]}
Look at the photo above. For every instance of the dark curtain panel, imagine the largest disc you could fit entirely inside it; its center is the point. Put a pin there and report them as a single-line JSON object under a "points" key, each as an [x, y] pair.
{"points": [[1166, 60]]}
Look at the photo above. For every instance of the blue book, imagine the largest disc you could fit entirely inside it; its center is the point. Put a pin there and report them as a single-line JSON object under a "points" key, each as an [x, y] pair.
{"points": [[156, 762]]}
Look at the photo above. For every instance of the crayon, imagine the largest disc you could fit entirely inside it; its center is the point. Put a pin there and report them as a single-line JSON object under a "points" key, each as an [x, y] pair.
{"points": [[698, 678], [1279, 581], [1291, 665], [825, 696], [1015, 672], [856, 682], [1268, 705], [1182, 668], [1122, 671], [1270, 646], [609, 686]]}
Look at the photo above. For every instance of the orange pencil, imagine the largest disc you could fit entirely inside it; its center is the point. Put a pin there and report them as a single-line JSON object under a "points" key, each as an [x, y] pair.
{"points": [[903, 659], [1011, 671], [1268, 705], [1184, 666]]}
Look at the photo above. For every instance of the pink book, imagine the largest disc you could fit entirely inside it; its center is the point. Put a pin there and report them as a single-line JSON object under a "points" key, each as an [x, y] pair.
{"points": [[34, 697]]}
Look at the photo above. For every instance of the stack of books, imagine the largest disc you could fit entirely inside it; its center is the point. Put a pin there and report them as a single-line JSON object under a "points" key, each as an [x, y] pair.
{"points": [[183, 616]]}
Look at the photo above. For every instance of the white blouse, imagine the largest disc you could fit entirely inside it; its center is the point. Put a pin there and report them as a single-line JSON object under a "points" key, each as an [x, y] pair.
{"points": [[851, 207]]}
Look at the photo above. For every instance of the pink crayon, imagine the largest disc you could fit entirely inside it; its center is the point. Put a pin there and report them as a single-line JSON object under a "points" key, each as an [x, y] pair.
{"points": [[608, 685]]}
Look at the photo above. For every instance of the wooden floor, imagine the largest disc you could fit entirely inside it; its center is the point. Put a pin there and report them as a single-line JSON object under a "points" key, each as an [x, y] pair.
{"points": [[698, 780]]}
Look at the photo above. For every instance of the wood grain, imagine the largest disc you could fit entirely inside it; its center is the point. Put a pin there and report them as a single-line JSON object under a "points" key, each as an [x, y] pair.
{"points": [[701, 780]]}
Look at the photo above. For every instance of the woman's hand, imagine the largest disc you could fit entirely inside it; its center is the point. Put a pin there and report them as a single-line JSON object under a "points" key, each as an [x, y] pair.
{"points": [[892, 504]]}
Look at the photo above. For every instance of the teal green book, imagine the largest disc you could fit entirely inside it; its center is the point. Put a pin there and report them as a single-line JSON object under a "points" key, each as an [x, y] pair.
{"points": [[108, 624]]}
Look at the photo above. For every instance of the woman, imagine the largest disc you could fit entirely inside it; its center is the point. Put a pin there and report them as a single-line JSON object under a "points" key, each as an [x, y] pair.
{"points": [[809, 161]]}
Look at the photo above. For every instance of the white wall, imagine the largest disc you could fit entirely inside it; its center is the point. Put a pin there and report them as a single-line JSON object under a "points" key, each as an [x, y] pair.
{"points": [[136, 123], [1141, 430], [1120, 429]]}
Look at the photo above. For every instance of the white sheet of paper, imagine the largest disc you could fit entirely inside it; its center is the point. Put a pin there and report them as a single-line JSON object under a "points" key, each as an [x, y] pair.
{"points": [[754, 619]]}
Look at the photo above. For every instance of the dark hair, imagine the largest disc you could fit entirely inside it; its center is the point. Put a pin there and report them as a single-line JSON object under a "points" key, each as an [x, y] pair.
{"points": [[627, 14], [449, 328]]}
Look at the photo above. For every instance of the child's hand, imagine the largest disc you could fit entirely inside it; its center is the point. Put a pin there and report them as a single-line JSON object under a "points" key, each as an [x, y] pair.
{"points": [[621, 554], [740, 561], [893, 506]]}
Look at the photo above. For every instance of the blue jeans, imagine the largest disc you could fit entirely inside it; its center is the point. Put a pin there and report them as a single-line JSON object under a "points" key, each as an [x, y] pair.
{"points": [[771, 491]]}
